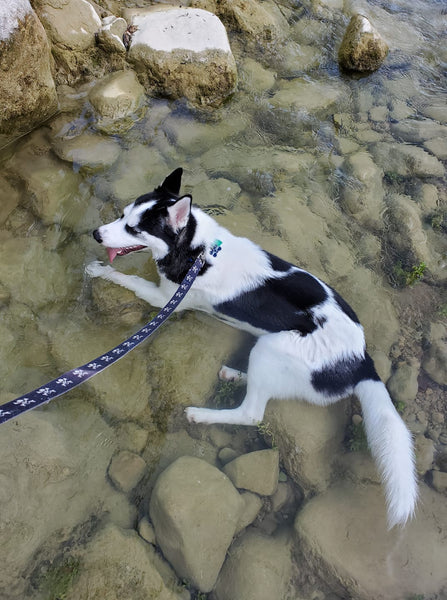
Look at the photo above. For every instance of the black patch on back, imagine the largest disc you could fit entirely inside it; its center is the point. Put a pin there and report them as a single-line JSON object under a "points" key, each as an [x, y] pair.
{"points": [[278, 264], [344, 375], [345, 307], [282, 304]]}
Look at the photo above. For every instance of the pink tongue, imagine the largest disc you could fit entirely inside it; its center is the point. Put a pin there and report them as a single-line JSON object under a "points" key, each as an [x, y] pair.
{"points": [[112, 252]]}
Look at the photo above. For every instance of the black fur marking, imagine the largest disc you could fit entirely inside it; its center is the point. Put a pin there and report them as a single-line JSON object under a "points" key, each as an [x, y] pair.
{"points": [[345, 307], [282, 304], [278, 264], [180, 257], [344, 375]]}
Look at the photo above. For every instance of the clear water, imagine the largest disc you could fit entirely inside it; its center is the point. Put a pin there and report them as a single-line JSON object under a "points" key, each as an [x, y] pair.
{"points": [[343, 176]]}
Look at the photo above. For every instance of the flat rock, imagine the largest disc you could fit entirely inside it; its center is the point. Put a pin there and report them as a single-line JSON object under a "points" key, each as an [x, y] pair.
{"points": [[126, 470], [406, 160], [345, 532], [88, 151], [256, 471], [183, 52], [195, 510]]}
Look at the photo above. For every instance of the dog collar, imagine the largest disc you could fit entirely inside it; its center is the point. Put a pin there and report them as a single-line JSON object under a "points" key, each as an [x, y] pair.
{"points": [[216, 247]]}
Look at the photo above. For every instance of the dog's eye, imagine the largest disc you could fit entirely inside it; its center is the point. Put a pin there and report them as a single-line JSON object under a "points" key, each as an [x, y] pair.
{"points": [[132, 230]]}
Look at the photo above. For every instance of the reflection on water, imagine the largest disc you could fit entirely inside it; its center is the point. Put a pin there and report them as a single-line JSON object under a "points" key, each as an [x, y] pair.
{"points": [[343, 176]]}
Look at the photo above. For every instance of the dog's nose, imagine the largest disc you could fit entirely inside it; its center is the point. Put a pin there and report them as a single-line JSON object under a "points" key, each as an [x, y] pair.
{"points": [[97, 236]]}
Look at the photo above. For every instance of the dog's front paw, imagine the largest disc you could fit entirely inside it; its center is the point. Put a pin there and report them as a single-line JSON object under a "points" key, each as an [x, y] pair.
{"points": [[196, 415], [97, 269]]}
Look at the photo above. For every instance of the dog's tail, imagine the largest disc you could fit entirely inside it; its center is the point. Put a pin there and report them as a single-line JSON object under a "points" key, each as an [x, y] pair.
{"points": [[392, 448]]}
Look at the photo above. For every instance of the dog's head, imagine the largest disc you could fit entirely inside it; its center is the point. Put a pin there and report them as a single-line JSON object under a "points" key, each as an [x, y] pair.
{"points": [[152, 222]]}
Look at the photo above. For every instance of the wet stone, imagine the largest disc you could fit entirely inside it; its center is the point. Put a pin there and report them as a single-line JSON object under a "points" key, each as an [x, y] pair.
{"points": [[403, 383], [388, 564], [258, 567], [126, 470], [439, 481], [195, 510], [256, 471], [116, 99], [362, 47], [424, 450], [250, 510], [88, 151]]}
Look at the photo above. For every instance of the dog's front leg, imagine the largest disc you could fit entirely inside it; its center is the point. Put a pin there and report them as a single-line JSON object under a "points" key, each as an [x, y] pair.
{"points": [[146, 290]]}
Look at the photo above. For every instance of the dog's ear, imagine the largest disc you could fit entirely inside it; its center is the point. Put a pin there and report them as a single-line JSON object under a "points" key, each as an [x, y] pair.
{"points": [[173, 182], [179, 213]]}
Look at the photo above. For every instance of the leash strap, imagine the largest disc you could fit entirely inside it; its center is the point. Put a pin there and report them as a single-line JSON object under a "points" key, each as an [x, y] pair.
{"points": [[75, 377]]}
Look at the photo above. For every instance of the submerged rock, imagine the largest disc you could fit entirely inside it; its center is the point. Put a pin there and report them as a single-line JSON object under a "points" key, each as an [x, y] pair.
{"points": [[116, 99], [27, 90], [435, 362], [183, 53], [258, 567], [88, 151], [117, 563], [256, 471], [195, 510], [309, 438], [345, 532], [126, 470], [362, 48]]}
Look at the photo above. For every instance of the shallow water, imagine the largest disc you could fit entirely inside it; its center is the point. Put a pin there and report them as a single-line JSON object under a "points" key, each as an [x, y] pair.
{"points": [[343, 176]]}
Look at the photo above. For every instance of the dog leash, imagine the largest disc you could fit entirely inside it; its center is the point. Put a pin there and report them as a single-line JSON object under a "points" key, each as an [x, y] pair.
{"points": [[75, 377]]}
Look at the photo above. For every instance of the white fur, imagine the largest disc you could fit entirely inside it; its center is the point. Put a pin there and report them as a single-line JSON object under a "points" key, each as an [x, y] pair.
{"points": [[280, 364]]}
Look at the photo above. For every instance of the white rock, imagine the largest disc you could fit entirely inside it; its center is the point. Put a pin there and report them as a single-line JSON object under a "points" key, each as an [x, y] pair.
{"points": [[183, 53]]}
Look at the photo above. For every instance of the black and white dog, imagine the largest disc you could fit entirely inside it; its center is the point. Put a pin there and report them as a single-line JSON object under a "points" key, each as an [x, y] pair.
{"points": [[311, 344]]}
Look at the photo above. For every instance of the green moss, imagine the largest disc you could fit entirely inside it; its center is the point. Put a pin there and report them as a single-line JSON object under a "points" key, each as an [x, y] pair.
{"points": [[225, 394], [266, 430], [356, 440], [58, 579]]}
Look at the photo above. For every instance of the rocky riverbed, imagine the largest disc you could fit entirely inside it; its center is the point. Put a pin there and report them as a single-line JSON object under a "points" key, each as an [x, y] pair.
{"points": [[108, 492]]}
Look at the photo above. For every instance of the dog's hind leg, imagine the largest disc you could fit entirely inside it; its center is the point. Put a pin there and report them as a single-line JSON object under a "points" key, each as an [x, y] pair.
{"points": [[229, 374], [262, 383]]}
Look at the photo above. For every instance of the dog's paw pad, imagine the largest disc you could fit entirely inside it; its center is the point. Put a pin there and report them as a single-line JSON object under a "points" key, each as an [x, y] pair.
{"points": [[97, 269]]}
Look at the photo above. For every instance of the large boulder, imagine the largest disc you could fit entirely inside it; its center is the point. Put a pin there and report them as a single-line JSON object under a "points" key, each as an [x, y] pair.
{"points": [[46, 491], [195, 510], [183, 53], [345, 533], [308, 437], [258, 567], [362, 48], [71, 24], [117, 563], [27, 89]]}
